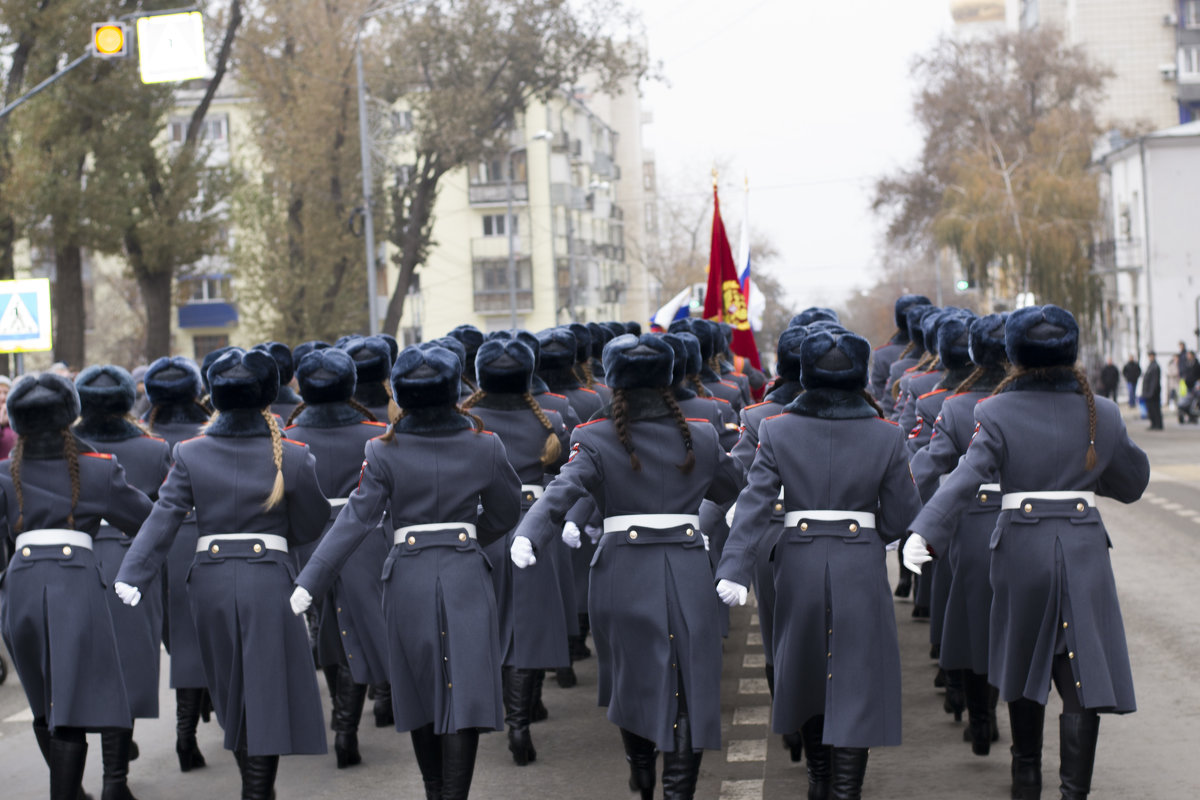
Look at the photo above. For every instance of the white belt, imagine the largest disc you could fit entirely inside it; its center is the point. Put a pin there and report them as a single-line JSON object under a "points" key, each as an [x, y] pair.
{"points": [[402, 534], [1015, 500], [624, 522], [989, 487], [270, 541], [792, 518], [53, 537], [532, 489], [338, 502]]}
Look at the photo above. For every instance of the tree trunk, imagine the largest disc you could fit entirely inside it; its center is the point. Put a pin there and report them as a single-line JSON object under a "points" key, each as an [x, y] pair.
{"points": [[8, 238], [67, 300], [156, 295]]}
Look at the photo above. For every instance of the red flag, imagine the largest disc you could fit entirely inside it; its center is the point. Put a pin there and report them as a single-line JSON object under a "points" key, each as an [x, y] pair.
{"points": [[723, 300]]}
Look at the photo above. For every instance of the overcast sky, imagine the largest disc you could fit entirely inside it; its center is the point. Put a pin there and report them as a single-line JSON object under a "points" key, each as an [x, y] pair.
{"points": [[811, 99]]}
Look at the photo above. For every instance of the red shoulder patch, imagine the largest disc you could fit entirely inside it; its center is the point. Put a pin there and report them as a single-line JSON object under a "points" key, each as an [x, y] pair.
{"points": [[289, 427], [888, 421], [105, 456], [931, 394], [697, 419], [194, 438], [731, 385], [589, 391], [293, 441], [756, 405], [716, 399], [559, 396], [774, 416], [489, 433], [369, 422]]}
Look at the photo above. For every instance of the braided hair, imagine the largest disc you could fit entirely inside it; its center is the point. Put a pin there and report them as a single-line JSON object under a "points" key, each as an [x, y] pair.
{"points": [[158, 407], [70, 451], [276, 495], [698, 385], [870, 398], [357, 406], [587, 376], [620, 419], [1080, 378], [619, 414], [552, 449], [689, 462], [16, 458]]}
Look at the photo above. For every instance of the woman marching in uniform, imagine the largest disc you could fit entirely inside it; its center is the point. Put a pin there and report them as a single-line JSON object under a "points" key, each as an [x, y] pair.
{"points": [[256, 496], [847, 493], [106, 394], [174, 386], [1052, 447], [53, 494], [435, 467], [350, 628], [654, 618]]}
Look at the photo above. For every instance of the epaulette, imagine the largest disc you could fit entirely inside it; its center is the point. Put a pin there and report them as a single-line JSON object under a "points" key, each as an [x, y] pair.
{"points": [[888, 421], [151, 436], [293, 441], [589, 391], [716, 399], [369, 422], [552, 394], [696, 419], [105, 456], [194, 438], [756, 405], [931, 394], [594, 421]]}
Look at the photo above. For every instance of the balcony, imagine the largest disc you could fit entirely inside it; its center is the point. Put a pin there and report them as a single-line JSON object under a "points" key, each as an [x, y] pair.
{"points": [[603, 166], [565, 194], [491, 283], [495, 193], [1115, 255], [209, 314]]}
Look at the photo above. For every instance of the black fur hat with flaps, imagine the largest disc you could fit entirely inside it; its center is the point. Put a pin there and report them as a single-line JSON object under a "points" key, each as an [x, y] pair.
{"points": [[241, 379], [695, 361], [633, 327], [526, 338], [1041, 336], [600, 337], [471, 339], [173, 379], [706, 332], [583, 341], [903, 303], [392, 345], [679, 355], [557, 347], [638, 362], [829, 361], [453, 345], [986, 344], [208, 361], [931, 323], [810, 315], [326, 376], [425, 376], [953, 341], [504, 366], [105, 390], [616, 328], [915, 315], [303, 349], [283, 359], [372, 359], [787, 353], [42, 404]]}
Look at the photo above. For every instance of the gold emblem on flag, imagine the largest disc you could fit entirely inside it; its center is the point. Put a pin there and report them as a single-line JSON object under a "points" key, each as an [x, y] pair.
{"points": [[734, 306]]}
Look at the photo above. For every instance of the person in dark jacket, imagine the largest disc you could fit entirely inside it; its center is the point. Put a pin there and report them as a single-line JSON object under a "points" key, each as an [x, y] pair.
{"points": [[106, 395], [1131, 372], [54, 492], [438, 601], [837, 654], [256, 497], [654, 618], [884, 356], [1052, 447], [1110, 378], [909, 357], [1152, 392]]}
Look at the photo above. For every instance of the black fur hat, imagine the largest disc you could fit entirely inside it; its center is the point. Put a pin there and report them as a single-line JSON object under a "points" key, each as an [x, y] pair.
{"points": [[812, 314], [426, 376], [787, 353], [600, 337], [173, 380], [241, 379], [987, 340], [825, 325], [831, 361], [392, 345], [617, 328], [504, 366], [471, 338], [953, 341], [695, 361], [638, 362], [42, 404], [326, 376], [526, 338], [708, 333], [557, 348], [283, 359], [726, 331], [301, 350], [903, 303], [371, 358], [454, 346], [914, 315], [1041, 336], [208, 361], [105, 390], [583, 341], [633, 327], [680, 356]]}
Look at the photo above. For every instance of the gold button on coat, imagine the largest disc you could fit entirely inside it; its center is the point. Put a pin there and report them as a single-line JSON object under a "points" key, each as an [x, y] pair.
{"points": [[215, 549], [1028, 508], [257, 548], [1080, 507], [412, 540], [1064, 626], [853, 527], [67, 550], [983, 498], [25, 551], [1078, 685], [779, 506], [462, 537], [1071, 654], [633, 534], [803, 526]]}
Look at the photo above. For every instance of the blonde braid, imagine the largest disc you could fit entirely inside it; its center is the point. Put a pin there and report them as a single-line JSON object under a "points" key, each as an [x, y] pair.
{"points": [[970, 381], [476, 422], [276, 496], [71, 454], [360, 408], [471, 401], [698, 385], [150, 419], [553, 447], [15, 459], [295, 413]]}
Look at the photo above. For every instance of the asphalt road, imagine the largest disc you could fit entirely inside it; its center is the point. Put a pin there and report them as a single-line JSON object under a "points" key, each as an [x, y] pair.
{"points": [[1150, 754]]}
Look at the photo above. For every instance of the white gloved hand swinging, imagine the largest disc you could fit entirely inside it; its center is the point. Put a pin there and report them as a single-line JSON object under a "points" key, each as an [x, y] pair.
{"points": [[300, 600], [130, 595], [704, 536], [571, 535], [522, 552], [916, 552], [594, 532], [732, 594]]}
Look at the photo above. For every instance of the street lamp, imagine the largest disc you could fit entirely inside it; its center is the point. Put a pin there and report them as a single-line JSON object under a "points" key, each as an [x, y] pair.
{"points": [[508, 224]]}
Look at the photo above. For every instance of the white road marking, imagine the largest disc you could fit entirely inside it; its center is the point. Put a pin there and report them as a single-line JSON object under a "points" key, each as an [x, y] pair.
{"points": [[754, 660], [752, 715], [754, 638], [21, 716], [747, 750], [1171, 506], [741, 790], [754, 619], [753, 686]]}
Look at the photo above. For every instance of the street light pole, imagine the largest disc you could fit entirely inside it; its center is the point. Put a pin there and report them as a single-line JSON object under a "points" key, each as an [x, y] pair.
{"points": [[508, 227], [364, 145]]}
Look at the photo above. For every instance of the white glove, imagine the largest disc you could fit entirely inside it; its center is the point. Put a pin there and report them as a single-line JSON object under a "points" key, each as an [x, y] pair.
{"points": [[130, 595], [916, 552], [593, 532], [300, 600], [731, 594], [704, 536], [730, 514], [570, 536], [522, 552]]}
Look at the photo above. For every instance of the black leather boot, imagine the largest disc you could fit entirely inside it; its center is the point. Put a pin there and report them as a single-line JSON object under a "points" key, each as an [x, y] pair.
{"points": [[642, 758], [1077, 735], [258, 777], [458, 763], [42, 734], [347, 711], [331, 674], [904, 587], [518, 702], [566, 678], [1027, 719], [428, 750], [578, 644], [979, 710], [187, 716], [67, 760], [954, 703], [820, 766], [114, 751], [538, 712], [681, 768], [384, 718], [849, 768]]}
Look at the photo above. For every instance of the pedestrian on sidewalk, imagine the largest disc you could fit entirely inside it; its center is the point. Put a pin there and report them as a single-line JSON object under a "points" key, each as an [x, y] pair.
{"points": [[1152, 392], [1131, 372], [1109, 379]]}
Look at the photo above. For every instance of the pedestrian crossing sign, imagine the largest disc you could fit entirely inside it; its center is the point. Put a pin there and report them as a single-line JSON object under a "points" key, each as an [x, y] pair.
{"points": [[25, 316]]}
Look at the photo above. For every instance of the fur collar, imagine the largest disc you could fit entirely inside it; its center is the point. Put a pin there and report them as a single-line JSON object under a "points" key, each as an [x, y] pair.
{"points": [[990, 380], [432, 419], [952, 378], [328, 415], [683, 392], [643, 404], [187, 411], [901, 338], [371, 394], [288, 395], [785, 393], [560, 380], [107, 428], [537, 385], [597, 368], [831, 404], [503, 401], [48, 446], [707, 375], [1052, 380], [238, 423]]}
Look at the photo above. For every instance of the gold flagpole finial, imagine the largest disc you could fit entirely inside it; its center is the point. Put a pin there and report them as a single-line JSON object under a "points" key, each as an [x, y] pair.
{"points": [[714, 173], [747, 181]]}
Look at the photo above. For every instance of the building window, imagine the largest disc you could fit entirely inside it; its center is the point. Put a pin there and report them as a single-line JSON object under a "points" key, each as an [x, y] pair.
{"points": [[1191, 14], [204, 289], [213, 129], [203, 345], [1189, 62], [492, 285], [493, 225], [492, 170]]}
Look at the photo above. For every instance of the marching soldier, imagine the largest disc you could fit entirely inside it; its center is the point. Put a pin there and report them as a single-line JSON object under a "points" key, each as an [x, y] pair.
{"points": [[885, 355]]}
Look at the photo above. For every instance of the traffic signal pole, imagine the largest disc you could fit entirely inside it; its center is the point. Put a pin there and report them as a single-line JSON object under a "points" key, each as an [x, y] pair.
{"points": [[41, 87]]}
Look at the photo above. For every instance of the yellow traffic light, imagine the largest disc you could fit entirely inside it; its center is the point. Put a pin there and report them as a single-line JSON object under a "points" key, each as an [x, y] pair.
{"points": [[109, 39]]}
